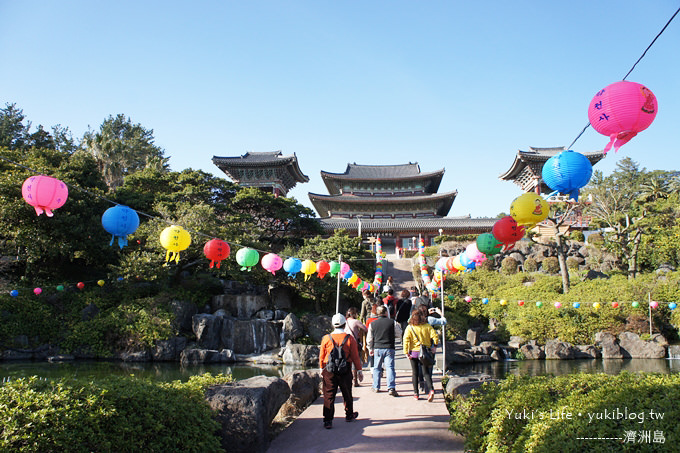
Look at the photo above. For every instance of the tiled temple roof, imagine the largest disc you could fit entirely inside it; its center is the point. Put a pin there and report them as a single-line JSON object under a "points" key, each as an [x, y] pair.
{"points": [[288, 169], [334, 203], [459, 224]]}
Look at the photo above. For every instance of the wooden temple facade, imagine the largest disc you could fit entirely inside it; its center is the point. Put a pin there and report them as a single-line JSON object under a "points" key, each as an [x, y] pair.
{"points": [[270, 171], [396, 202]]}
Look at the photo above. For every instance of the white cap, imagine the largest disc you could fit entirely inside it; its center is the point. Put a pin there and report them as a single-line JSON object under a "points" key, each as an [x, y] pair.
{"points": [[338, 320]]}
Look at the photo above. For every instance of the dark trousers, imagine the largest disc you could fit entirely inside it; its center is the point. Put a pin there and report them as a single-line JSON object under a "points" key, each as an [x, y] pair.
{"points": [[418, 371], [331, 382]]}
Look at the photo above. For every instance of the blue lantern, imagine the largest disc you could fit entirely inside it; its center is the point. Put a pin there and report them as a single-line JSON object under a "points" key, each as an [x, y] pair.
{"points": [[120, 221], [576, 304], [14, 293], [485, 301], [567, 172], [292, 266], [672, 305]]}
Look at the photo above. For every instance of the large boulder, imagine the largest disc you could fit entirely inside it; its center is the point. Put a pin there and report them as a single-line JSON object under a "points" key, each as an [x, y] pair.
{"points": [[588, 352], [281, 297], [609, 346], [250, 336], [245, 411], [555, 349], [207, 329], [632, 346], [473, 337], [532, 351], [196, 356], [168, 350], [291, 328], [463, 385], [305, 388], [301, 354], [317, 326], [184, 312], [241, 306]]}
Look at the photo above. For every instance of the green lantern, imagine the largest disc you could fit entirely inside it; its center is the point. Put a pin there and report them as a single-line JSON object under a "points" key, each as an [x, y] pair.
{"points": [[539, 304], [488, 244], [247, 258], [335, 268]]}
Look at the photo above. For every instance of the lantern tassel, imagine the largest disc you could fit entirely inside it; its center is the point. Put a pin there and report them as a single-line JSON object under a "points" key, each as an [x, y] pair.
{"points": [[122, 241]]}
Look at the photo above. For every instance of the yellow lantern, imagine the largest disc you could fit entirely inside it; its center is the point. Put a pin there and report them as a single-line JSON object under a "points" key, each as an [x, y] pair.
{"points": [[308, 268], [503, 302], [596, 306], [529, 209], [101, 282], [174, 239]]}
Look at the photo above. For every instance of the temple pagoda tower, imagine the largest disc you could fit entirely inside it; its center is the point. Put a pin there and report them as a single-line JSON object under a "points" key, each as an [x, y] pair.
{"points": [[526, 170], [383, 192], [270, 171]]}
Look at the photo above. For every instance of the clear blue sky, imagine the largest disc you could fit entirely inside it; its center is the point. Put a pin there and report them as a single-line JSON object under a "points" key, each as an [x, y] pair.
{"points": [[459, 85]]}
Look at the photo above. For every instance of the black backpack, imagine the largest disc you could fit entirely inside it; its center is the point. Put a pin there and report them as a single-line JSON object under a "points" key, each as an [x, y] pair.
{"points": [[337, 361]]}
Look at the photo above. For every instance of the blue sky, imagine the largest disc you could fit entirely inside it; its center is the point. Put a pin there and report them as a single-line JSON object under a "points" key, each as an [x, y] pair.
{"points": [[449, 84]]}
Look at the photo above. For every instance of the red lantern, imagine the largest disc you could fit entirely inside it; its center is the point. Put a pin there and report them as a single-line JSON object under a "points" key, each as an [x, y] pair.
{"points": [[615, 304], [80, 285], [322, 268], [507, 231], [44, 193], [216, 250], [621, 110]]}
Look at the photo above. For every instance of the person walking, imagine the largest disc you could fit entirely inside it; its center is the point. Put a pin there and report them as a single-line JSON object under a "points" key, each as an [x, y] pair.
{"points": [[366, 305], [418, 333], [331, 381], [381, 338], [403, 309], [358, 330], [390, 302]]}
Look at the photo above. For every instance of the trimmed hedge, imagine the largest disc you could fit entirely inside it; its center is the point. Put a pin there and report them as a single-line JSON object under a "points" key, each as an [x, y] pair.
{"points": [[515, 414], [116, 414]]}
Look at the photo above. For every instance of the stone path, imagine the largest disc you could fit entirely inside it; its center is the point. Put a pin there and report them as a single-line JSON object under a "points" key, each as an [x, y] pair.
{"points": [[385, 423], [401, 272]]}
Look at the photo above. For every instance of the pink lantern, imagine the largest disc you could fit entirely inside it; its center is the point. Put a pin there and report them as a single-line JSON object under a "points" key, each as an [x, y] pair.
{"points": [[468, 299], [474, 254], [44, 193], [621, 110], [271, 262], [558, 305], [344, 268], [37, 291], [654, 304], [440, 265]]}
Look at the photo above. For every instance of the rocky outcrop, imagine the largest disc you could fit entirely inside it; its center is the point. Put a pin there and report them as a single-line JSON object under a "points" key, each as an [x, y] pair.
{"points": [[245, 411], [241, 336], [168, 350], [196, 356], [561, 350], [300, 354], [305, 388], [316, 326], [241, 306], [291, 329], [632, 346], [532, 351], [184, 312], [463, 385], [587, 352]]}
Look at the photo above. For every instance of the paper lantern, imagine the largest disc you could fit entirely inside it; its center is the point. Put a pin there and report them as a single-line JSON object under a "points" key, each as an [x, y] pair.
{"points": [[80, 285], [507, 231], [101, 282], [488, 244], [271, 262], [635, 304], [174, 239], [474, 254], [371, 288], [344, 268], [576, 305], [247, 258], [44, 193], [334, 268], [120, 221], [520, 303], [503, 302], [352, 278], [615, 305], [348, 274], [356, 283], [529, 209], [37, 291], [558, 305], [322, 268], [292, 266], [440, 265], [539, 304], [60, 287], [485, 301], [672, 305], [308, 268], [654, 304], [216, 250], [14, 293], [596, 306], [621, 110], [467, 299], [567, 172]]}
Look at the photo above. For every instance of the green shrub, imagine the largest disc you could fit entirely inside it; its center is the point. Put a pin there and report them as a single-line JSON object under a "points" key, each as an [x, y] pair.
{"points": [[550, 265], [577, 235], [572, 263], [113, 414], [509, 265], [596, 239], [487, 418], [530, 265]]}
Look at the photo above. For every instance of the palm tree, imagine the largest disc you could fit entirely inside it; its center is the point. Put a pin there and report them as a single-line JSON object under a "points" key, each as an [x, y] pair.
{"points": [[654, 189]]}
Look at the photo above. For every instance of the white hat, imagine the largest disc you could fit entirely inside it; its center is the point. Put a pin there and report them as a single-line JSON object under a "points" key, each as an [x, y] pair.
{"points": [[338, 320]]}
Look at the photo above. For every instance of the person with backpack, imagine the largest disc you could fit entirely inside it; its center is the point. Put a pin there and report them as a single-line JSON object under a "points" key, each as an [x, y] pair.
{"points": [[337, 354]]}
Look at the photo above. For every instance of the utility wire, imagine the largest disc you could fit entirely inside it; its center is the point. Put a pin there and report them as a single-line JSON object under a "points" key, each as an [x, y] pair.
{"points": [[633, 67]]}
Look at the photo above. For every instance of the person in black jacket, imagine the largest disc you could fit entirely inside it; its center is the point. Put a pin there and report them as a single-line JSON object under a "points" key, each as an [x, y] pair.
{"points": [[403, 309], [381, 336]]}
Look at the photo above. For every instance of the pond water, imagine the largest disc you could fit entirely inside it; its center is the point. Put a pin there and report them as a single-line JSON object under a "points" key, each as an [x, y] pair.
{"points": [[160, 371], [171, 371]]}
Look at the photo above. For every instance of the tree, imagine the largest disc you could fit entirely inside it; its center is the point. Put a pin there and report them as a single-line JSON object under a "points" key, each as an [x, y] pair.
{"points": [[121, 148], [12, 129], [15, 135]]}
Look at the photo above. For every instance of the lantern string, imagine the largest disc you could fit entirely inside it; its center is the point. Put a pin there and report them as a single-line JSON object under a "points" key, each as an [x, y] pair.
{"points": [[633, 67]]}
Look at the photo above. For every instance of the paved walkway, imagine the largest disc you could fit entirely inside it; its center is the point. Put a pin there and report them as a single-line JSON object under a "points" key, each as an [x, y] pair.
{"points": [[385, 423]]}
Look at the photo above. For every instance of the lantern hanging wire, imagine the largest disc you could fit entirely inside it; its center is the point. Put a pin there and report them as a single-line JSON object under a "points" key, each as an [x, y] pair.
{"points": [[633, 67]]}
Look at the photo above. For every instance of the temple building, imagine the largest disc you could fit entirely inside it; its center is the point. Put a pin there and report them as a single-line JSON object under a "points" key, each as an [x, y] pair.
{"points": [[270, 171], [396, 202], [527, 168]]}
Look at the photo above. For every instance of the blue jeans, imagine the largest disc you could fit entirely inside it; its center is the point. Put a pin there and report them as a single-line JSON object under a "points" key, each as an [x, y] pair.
{"points": [[386, 357]]}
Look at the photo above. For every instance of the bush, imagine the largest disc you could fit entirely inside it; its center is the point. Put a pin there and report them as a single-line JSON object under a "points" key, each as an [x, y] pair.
{"points": [[572, 263], [530, 265], [550, 265], [577, 235], [509, 265], [596, 239], [112, 414], [487, 418]]}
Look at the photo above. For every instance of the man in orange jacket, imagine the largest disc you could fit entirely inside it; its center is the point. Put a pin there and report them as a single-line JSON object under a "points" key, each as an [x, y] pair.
{"points": [[331, 381]]}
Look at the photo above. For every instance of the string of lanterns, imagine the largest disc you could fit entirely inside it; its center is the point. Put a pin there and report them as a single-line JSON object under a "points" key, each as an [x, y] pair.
{"points": [[556, 304]]}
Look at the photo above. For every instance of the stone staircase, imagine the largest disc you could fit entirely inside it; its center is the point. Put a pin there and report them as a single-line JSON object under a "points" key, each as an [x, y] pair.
{"points": [[401, 272]]}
